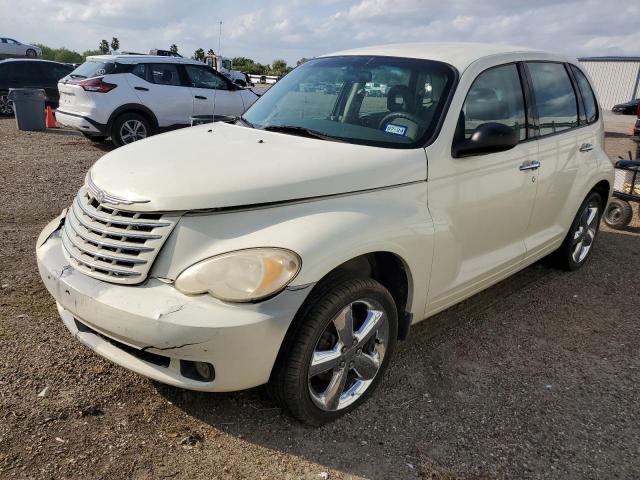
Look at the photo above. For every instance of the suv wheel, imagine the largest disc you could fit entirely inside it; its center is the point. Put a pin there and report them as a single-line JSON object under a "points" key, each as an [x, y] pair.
{"points": [[6, 107], [338, 353], [129, 128], [578, 243]]}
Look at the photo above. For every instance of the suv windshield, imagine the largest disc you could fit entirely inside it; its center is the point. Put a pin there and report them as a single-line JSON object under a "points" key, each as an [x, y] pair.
{"points": [[381, 101]]}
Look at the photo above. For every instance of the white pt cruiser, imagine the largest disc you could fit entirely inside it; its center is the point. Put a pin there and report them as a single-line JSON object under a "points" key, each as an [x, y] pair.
{"points": [[294, 246]]}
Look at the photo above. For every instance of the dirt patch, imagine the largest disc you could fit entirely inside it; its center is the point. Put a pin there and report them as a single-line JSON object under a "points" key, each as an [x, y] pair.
{"points": [[537, 377]]}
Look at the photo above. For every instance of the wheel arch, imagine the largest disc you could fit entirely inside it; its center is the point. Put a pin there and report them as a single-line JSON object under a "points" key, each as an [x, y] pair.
{"points": [[133, 108], [603, 188]]}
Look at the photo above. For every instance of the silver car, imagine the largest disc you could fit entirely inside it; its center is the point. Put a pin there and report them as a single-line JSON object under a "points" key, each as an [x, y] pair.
{"points": [[13, 48]]}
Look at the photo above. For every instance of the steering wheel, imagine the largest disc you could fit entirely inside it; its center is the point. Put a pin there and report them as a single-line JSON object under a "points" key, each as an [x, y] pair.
{"points": [[409, 116]]}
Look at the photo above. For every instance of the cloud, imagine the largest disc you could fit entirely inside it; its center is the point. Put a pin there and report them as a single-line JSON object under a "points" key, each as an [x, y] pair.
{"points": [[291, 29]]}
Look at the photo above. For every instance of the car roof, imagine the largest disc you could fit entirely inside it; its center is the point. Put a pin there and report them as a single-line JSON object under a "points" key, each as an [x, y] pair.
{"points": [[142, 58], [458, 54], [39, 60]]}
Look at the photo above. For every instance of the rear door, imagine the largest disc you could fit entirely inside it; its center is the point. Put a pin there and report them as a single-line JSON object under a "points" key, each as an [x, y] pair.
{"points": [[563, 165], [51, 73], [212, 93], [159, 88]]}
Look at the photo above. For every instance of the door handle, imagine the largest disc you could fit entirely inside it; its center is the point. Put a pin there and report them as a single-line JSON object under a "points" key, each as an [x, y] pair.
{"points": [[144, 89], [200, 97], [534, 165], [586, 147]]}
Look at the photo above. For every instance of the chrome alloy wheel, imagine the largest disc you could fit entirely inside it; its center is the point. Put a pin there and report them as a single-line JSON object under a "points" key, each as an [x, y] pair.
{"points": [[132, 130], [6, 106], [348, 355], [585, 233]]}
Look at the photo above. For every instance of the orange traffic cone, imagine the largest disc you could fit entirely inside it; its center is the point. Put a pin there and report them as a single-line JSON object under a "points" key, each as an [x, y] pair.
{"points": [[50, 120]]}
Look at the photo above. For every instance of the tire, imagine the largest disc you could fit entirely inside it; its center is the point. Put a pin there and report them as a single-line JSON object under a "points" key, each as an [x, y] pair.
{"points": [[373, 314], [138, 128], [618, 214], [31, 53], [6, 107], [578, 244], [94, 138]]}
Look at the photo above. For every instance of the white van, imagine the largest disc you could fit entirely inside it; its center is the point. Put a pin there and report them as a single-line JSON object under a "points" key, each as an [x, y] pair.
{"points": [[295, 246]]}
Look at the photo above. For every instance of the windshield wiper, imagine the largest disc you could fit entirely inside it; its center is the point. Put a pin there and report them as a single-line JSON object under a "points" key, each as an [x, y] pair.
{"points": [[296, 130]]}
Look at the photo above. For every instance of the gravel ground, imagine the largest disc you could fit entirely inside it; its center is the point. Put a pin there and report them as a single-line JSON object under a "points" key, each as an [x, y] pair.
{"points": [[538, 377]]}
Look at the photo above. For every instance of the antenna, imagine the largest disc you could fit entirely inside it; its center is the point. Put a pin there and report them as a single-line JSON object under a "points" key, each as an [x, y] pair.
{"points": [[215, 91], [220, 40]]}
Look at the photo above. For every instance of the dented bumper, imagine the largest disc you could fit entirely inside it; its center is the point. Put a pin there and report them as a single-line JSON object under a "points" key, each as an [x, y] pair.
{"points": [[241, 341]]}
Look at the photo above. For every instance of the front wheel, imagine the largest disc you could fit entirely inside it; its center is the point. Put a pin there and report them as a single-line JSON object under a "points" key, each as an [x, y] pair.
{"points": [[339, 352], [31, 53], [129, 128], [619, 213], [578, 243]]}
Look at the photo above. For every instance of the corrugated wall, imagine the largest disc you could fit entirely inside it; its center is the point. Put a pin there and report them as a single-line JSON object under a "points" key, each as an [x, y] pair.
{"points": [[614, 81]]}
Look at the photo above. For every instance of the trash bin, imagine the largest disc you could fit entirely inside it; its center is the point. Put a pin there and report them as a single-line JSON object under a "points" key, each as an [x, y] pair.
{"points": [[28, 105]]}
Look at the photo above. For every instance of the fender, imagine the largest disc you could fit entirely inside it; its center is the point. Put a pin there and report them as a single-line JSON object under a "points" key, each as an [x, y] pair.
{"points": [[325, 233], [133, 107]]}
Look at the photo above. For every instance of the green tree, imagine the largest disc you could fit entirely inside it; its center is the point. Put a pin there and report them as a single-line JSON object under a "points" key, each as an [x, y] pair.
{"points": [[115, 44], [301, 61], [64, 55], [211, 52], [173, 48], [90, 53], [198, 54], [103, 47], [279, 68]]}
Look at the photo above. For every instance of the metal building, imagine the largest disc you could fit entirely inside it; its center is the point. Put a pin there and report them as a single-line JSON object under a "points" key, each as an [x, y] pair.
{"points": [[615, 79]]}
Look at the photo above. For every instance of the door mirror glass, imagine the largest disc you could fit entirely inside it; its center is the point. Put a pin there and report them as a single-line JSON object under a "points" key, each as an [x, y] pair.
{"points": [[488, 137]]}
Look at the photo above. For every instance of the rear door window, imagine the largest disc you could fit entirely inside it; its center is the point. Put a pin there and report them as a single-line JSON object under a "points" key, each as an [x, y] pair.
{"points": [[163, 74], [554, 97], [588, 97], [495, 96]]}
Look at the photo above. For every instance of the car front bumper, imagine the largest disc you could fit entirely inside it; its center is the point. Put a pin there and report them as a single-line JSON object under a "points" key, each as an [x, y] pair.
{"points": [[135, 325]]}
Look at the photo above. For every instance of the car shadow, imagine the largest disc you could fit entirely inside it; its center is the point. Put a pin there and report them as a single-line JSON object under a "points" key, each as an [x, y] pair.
{"points": [[398, 426]]}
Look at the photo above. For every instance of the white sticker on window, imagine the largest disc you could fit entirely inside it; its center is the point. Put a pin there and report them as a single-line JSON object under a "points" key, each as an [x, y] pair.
{"points": [[396, 129]]}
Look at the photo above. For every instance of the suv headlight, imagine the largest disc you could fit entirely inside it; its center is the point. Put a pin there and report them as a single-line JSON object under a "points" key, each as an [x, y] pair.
{"points": [[241, 276]]}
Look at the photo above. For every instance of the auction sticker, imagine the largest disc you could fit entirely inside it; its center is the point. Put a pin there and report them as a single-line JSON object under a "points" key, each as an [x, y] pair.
{"points": [[396, 129]]}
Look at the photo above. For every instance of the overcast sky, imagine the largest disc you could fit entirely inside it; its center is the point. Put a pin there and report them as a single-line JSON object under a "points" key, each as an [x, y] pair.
{"points": [[265, 30]]}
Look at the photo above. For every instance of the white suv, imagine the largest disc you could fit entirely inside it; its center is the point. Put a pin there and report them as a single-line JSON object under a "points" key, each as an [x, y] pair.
{"points": [[296, 246], [129, 97]]}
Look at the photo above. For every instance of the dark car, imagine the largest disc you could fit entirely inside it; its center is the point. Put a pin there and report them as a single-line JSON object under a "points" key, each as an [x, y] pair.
{"points": [[629, 108], [19, 73]]}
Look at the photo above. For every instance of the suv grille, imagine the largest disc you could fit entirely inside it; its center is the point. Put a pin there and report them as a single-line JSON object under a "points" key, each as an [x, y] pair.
{"points": [[110, 244]]}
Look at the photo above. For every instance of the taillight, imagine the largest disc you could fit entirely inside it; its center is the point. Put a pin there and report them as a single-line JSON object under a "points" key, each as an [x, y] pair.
{"points": [[97, 85]]}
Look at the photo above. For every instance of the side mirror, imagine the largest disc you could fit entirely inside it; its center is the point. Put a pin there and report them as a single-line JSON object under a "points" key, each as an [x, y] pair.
{"points": [[490, 137]]}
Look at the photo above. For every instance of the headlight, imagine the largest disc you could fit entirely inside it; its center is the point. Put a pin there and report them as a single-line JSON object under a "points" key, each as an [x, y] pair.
{"points": [[241, 276]]}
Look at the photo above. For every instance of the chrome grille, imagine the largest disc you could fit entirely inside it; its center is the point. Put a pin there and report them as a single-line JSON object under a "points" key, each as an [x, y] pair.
{"points": [[115, 245]]}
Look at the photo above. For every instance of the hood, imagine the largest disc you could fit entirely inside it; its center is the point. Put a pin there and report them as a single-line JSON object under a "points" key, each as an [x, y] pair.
{"points": [[222, 165]]}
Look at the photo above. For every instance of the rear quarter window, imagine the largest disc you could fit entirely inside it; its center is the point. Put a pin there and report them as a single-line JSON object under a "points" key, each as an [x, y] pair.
{"points": [[588, 97]]}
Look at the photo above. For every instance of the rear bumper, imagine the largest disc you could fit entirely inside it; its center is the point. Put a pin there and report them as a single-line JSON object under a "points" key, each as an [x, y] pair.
{"points": [[125, 323], [81, 123]]}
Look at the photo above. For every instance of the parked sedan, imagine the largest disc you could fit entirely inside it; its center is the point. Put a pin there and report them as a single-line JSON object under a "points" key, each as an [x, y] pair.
{"points": [[22, 73], [628, 108], [10, 48]]}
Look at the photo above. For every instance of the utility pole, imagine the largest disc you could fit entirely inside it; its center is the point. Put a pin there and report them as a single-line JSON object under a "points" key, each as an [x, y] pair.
{"points": [[220, 40]]}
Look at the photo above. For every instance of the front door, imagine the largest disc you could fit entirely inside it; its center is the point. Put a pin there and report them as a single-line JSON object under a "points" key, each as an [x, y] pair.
{"points": [[212, 94], [481, 205]]}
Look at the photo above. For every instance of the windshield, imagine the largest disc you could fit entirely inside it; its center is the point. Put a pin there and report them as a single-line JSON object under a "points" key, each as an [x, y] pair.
{"points": [[381, 101]]}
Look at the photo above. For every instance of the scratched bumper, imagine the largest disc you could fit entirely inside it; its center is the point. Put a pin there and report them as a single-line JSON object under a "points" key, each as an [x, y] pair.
{"points": [[241, 340]]}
